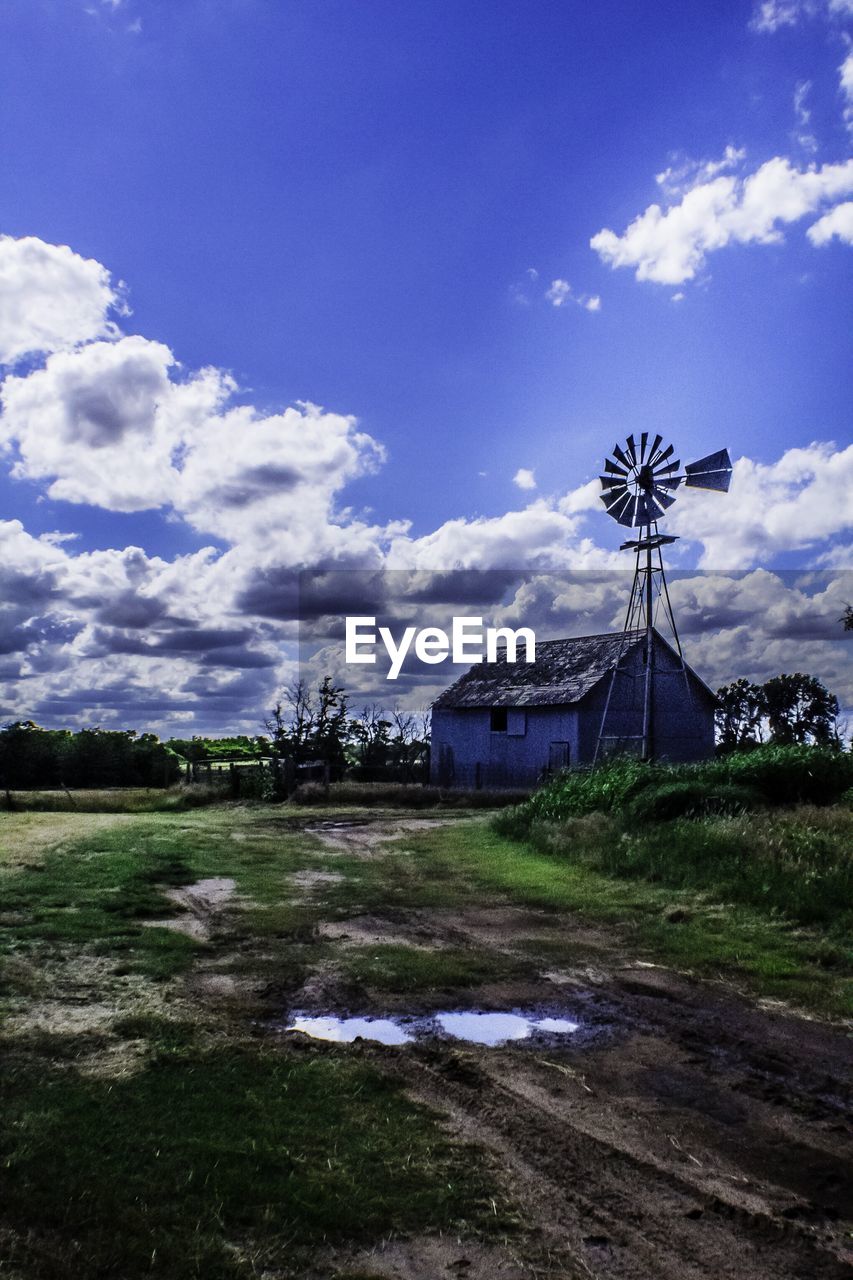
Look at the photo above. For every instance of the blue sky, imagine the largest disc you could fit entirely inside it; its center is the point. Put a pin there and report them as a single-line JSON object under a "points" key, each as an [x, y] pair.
{"points": [[387, 210]]}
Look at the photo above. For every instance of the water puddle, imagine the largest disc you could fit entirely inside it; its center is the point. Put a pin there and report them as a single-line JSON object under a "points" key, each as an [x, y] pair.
{"points": [[346, 1030], [471, 1026]]}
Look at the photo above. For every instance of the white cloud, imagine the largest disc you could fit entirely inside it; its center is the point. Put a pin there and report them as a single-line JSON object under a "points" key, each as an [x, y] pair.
{"points": [[561, 292], [838, 222], [845, 73], [558, 292], [670, 247], [684, 173], [51, 299], [524, 478], [792, 504], [803, 135], [770, 15], [110, 425]]}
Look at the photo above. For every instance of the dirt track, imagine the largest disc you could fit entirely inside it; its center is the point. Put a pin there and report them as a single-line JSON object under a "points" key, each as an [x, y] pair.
{"points": [[690, 1134]]}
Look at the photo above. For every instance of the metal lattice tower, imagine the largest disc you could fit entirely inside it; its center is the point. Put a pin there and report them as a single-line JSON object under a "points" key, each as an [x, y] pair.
{"points": [[637, 489]]}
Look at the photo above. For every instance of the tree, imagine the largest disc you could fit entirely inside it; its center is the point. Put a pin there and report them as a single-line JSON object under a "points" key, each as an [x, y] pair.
{"points": [[847, 619], [738, 717], [801, 709], [311, 725], [369, 735]]}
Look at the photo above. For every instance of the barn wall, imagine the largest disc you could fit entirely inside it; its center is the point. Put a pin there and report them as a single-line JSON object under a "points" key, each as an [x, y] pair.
{"points": [[682, 721], [504, 759]]}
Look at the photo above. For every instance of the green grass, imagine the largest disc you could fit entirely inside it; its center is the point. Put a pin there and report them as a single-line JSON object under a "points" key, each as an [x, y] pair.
{"points": [[215, 1164], [222, 1152], [769, 775], [752, 946]]}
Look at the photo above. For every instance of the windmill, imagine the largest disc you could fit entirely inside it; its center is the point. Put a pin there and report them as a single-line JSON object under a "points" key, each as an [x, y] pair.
{"points": [[638, 487]]}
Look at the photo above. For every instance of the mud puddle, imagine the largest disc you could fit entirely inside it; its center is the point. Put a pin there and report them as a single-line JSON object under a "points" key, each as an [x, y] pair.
{"points": [[471, 1026]]}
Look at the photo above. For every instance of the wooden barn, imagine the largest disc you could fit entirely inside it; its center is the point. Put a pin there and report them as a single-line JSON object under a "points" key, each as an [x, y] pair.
{"points": [[512, 724]]}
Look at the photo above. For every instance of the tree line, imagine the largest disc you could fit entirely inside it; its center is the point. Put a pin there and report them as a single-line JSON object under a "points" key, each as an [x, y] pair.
{"points": [[34, 757], [315, 725], [786, 710]]}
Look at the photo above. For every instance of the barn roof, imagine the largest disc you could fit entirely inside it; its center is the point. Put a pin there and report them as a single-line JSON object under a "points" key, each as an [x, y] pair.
{"points": [[564, 671]]}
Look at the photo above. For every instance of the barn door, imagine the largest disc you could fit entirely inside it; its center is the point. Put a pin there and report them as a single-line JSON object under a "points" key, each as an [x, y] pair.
{"points": [[558, 756]]}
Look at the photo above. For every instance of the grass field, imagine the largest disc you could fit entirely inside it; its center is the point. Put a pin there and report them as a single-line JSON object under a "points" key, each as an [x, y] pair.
{"points": [[141, 1084]]}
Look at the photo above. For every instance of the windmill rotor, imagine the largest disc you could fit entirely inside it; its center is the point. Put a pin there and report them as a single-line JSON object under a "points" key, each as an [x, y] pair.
{"points": [[641, 477]]}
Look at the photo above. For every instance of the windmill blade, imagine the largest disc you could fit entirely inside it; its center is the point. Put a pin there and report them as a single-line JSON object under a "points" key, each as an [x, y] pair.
{"points": [[617, 507], [621, 456], [644, 440], [612, 482], [668, 482], [653, 452], [647, 510], [626, 516], [615, 498], [632, 450], [660, 495], [615, 469], [713, 472], [663, 468]]}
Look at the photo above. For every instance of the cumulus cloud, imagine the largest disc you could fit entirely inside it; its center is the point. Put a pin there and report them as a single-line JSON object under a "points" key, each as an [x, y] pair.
{"points": [[51, 299], [772, 508], [524, 478], [671, 246], [113, 425], [838, 222]]}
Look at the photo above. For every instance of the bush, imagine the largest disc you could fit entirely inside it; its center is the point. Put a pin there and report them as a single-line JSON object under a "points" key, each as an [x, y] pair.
{"points": [[770, 775], [789, 775], [692, 799]]}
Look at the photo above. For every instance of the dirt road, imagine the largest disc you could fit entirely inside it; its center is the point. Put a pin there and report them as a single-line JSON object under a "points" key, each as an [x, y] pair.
{"points": [[685, 1132]]}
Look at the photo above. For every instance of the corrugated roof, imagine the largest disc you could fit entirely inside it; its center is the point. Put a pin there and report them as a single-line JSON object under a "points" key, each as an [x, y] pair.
{"points": [[564, 671]]}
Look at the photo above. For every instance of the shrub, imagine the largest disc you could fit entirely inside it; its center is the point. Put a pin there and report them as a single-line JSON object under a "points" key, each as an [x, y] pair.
{"points": [[696, 798], [773, 775], [789, 775]]}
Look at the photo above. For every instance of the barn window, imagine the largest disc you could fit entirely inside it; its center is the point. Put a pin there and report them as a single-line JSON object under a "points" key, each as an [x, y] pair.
{"points": [[498, 718]]}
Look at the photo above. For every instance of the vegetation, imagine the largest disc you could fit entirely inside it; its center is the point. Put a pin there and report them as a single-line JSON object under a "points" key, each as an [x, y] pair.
{"points": [[311, 725], [770, 775], [694, 829], [182, 1168], [680, 903], [212, 750], [225, 1151], [794, 708], [34, 757]]}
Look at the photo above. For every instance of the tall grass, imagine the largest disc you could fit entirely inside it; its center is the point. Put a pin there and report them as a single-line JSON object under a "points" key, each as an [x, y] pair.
{"points": [[114, 799], [767, 776]]}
